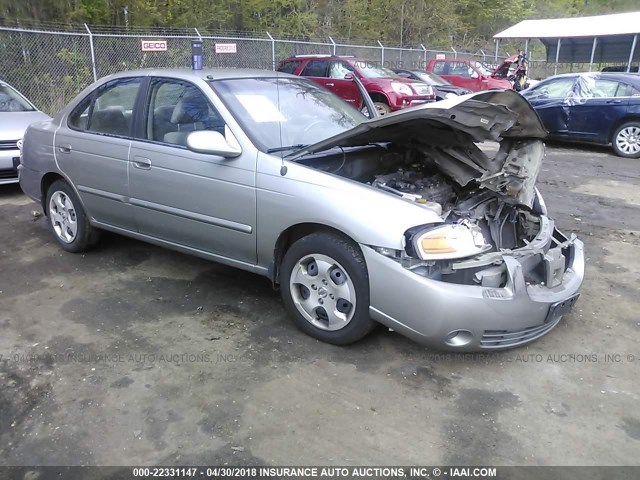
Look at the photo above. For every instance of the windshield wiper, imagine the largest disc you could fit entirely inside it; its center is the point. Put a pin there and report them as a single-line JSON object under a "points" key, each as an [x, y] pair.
{"points": [[284, 149]]}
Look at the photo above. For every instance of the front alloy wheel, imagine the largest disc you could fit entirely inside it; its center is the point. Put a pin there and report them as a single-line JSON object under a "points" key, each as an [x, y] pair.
{"points": [[325, 288], [626, 140]]}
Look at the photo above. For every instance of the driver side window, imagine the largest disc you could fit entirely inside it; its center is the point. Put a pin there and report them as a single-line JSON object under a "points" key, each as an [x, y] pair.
{"points": [[339, 70], [460, 69], [177, 108], [559, 88]]}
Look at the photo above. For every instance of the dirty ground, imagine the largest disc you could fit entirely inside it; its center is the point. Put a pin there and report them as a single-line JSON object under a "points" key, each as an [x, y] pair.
{"points": [[132, 354]]}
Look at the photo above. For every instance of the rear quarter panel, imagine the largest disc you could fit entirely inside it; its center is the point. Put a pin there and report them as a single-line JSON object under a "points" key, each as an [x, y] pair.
{"points": [[38, 157]]}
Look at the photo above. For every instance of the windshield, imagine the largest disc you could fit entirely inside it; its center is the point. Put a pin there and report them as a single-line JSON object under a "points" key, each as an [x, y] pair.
{"points": [[370, 70], [437, 79], [283, 112], [430, 78], [482, 68], [12, 101]]}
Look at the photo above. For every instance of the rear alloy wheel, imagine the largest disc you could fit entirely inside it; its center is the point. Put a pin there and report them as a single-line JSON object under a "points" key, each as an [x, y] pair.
{"points": [[67, 219], [325, 288], [626, 140]]}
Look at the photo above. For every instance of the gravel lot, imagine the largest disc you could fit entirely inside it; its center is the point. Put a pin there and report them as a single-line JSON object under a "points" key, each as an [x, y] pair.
{"points": [[132, 354]]}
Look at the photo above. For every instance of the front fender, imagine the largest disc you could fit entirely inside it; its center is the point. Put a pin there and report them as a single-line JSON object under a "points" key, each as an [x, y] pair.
{"points": [[304, 195]]}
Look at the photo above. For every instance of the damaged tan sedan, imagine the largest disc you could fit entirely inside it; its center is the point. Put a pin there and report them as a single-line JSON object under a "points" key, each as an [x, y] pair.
{"points": [[401, 220]]}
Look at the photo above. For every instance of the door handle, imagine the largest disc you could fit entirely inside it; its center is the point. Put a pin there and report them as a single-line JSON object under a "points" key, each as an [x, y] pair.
{"points": [[614, 101], [331, 84], [64, 148], [141, 162]]}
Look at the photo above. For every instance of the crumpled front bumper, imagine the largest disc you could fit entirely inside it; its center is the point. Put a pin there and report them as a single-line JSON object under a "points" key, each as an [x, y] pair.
{"points": [[431, 311]]}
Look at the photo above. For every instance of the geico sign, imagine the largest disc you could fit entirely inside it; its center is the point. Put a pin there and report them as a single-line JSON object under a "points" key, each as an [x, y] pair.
{"points": [[154, 45]]}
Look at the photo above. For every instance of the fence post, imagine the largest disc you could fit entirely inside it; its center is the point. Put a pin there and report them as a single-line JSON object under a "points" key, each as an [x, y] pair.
{"points": [[273, 51], [334, 46], [425, 56], [93, 53], [381, 52], [455, 52], [198, 33]]}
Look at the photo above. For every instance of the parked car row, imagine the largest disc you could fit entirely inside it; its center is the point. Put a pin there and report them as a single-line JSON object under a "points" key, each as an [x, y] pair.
{"points": [[389, 91]]}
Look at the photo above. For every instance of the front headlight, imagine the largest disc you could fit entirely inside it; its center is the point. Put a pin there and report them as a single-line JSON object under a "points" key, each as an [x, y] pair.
{"points": [[450, 242], [401, 88]]}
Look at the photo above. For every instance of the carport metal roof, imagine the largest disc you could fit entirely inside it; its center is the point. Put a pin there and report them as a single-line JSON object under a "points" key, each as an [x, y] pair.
{"points": [[601, 38]]}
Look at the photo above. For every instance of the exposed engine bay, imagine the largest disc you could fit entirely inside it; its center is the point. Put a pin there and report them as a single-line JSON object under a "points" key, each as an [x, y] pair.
{"points": [[417, 174], [489, 202]]}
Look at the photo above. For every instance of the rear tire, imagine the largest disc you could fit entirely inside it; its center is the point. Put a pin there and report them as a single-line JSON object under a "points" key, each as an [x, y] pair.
{"points": [[626, 140], [67, 219], [325, 288]]}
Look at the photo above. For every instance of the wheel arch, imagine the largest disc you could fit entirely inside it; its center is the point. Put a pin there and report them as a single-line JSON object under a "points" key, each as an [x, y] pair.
{"points": [[45, 183], [616, 125], [294, 233], [377, 96]]}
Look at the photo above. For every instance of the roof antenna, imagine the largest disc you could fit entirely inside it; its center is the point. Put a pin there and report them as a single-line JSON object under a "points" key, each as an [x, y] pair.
{"points": [[283, 168]]}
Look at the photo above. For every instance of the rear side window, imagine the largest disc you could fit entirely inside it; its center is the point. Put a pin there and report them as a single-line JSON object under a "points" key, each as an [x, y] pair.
{"points": [[438, 68], [108, 110], [609, 88], [316, 68], [289, 67]]}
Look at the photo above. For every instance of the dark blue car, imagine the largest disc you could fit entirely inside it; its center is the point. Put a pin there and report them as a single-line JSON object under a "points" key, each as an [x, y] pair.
{"points": [[602, 108]]}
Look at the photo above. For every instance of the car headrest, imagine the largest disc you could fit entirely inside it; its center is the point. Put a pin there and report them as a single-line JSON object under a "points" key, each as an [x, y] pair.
{"points": [[191, 108]]}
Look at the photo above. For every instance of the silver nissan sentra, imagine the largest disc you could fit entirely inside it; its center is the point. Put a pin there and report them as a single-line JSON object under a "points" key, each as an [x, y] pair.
{"points": [[405, 220]]}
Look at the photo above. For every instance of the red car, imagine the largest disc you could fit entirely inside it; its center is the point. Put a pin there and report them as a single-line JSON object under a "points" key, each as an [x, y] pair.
{"points": [[471, 74], [388, 90]]}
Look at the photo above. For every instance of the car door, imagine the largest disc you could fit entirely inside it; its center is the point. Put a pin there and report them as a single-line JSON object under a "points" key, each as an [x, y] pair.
{"points": [[317, 70], [551, 100], [199, 201], [92, 149], [461, 74], [597, 104], [345, 89]]}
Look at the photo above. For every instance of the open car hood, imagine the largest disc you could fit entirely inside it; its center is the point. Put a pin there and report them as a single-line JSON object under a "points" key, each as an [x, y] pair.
{"points": [[502, 70], [451, 127]]}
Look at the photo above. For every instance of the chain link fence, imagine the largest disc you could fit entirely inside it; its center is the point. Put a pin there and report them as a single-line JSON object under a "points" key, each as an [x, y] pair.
{"points": [[51, 66]]}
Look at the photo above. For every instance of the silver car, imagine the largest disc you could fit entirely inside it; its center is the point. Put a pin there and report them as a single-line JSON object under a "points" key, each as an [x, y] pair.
{"points": [[16, 114], [401, 220]]}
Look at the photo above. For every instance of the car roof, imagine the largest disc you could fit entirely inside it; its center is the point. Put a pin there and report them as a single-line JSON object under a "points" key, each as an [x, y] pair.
{"points": [[622, 76], [204, 74]]}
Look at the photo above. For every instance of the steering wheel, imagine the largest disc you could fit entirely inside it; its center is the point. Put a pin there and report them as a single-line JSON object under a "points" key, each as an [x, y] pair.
{"points": [[309, 128]]}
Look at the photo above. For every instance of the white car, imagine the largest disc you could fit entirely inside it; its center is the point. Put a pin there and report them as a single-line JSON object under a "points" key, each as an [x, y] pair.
{"points": [[16, 114]]}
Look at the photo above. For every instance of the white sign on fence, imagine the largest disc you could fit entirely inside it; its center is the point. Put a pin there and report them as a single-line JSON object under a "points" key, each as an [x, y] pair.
{"points": [[154, 45], [226, 48], [440, 56]]}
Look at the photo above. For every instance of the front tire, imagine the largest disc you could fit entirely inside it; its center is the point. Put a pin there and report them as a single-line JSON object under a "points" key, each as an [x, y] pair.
{"points": [[626, 140], [67, 219], [325, 288]]}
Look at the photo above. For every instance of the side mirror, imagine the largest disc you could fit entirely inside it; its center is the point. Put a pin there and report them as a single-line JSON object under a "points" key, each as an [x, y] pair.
{"points": [[348, 76], [213, 143]]}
